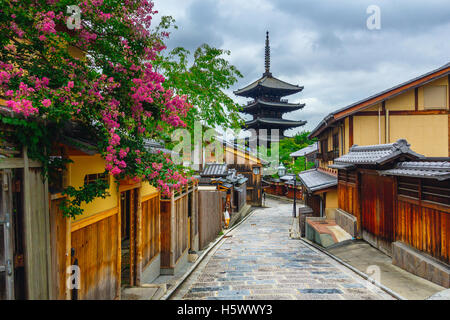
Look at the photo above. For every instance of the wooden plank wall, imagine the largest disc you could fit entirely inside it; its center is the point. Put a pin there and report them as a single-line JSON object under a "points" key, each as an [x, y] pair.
{"points": [[194, 219], [313, 201], [209, 215], [174, 230], [377, 205], [96, 247], [60, 249], [151, 245], [182, 233], [166, 231], [36, 230], [424, 228]]}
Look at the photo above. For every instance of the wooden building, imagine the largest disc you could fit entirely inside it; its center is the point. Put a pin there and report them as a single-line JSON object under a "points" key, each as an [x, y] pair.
{"points": [[400, 202], [310, 153], [228, 180], [246, 163], [416, 110], [115, 242], [316, 183]]}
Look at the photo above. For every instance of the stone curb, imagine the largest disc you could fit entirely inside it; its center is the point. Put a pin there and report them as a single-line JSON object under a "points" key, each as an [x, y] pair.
{"points": [[361, 274]]}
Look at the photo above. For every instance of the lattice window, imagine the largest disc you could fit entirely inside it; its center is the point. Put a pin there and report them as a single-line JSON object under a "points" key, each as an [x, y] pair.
{"points": [[408, 187], [436, 191], [90, 178]]}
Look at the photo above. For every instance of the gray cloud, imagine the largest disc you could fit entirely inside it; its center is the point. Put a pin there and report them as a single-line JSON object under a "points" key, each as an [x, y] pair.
{"points": [[323, 45]]}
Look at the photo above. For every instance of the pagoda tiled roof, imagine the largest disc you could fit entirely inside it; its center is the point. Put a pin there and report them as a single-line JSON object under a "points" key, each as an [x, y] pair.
{"points": [[275, 121], [271, 83]]}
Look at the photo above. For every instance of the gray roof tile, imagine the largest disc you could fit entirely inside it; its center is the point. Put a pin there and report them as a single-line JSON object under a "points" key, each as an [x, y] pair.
{"points": [[215, 170], [376, 154], [315, 180], [421, 169], [307, 150]]}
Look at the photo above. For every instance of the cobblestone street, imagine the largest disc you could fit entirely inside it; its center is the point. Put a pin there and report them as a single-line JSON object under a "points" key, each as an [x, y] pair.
{"points": [[259, 261]]}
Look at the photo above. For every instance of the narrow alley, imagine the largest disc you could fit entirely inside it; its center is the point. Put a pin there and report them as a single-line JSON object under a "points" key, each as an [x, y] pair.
{"points": [[258, 260]]}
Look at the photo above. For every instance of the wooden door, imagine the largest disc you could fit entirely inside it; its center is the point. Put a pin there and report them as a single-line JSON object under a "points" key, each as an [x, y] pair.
{"points": [[377, 205], [6, 238]]}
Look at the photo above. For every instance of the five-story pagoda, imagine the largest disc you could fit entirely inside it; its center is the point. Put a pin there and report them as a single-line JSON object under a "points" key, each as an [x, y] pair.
{"points": [[268, 108]]}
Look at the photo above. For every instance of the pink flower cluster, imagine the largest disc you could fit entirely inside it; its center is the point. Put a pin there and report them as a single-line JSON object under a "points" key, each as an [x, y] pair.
{"points": [[23, 106], [45, 24]]}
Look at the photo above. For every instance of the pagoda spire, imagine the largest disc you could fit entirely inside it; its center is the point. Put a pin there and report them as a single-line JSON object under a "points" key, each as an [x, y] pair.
{"points": [[267, 56]]}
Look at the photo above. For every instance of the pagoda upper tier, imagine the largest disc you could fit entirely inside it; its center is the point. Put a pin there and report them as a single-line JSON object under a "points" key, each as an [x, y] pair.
{"points": [[268, 86]]}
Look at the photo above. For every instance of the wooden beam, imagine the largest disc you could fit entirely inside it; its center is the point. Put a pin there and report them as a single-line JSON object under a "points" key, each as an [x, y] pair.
{"points": [[139, 266], [350, 131], [150, 196], [404, 113], [416, 99], [119, 247], [17, 163], [80, 224]]}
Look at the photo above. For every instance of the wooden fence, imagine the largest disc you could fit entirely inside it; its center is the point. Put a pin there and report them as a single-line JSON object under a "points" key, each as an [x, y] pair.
{"points": [[175, 228], [209, 216], [151, 242], [422, 216], [410, 210], [94, 242]]}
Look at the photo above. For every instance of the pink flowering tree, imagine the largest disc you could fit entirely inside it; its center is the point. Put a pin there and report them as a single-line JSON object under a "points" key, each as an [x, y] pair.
{"points": [[99, 77]]}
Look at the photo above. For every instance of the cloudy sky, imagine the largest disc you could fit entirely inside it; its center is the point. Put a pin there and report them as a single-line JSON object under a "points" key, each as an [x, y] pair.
{"points": [[323, 45]]}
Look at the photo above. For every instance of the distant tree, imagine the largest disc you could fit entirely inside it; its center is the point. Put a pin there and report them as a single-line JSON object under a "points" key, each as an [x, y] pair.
{"points": [[289, 145]]}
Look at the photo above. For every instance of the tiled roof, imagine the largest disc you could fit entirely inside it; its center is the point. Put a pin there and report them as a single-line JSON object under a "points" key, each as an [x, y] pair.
{"points": [[421, 169], [307, 150], [376, 154], [277, 121], [215, 170], [268, 82], [315, 180]]}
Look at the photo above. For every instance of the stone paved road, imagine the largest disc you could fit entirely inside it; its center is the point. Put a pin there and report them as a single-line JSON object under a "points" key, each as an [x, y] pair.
{"points": [[259, 261]]}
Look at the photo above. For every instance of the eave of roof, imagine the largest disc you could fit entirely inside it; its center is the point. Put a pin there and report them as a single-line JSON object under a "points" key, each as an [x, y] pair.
{"points": [[268, 82], [376, 98], [306, 150], [421, 169], [322, 180], [375, 155], [282, 122]]}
